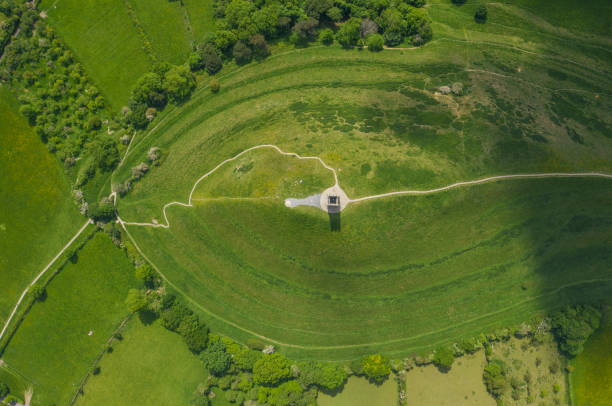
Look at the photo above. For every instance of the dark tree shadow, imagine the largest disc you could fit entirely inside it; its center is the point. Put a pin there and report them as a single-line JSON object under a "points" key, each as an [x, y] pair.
{"points": [[147, 317]]}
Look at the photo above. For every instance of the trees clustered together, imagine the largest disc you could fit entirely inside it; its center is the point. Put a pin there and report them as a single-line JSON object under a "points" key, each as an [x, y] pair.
{"points": [[572, 326]]}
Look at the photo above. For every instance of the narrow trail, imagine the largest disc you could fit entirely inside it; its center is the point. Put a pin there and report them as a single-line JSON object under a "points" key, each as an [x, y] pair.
{"points": [[8, 321], [190, 200]]}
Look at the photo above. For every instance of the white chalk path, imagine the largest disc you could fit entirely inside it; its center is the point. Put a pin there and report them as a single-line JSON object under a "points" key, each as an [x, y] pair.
{"points": [[8, 321], [336, 187]]}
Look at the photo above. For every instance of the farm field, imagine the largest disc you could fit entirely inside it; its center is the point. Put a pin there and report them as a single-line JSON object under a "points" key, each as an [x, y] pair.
{"points": [[38, 216], [462, 385], [52, 349], [139, 371], [592, 378], [360, 392]]}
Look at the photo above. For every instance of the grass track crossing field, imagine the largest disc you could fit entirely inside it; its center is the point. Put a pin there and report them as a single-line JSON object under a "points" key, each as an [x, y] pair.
{"points": [[38, 216], [52, 348], [140, 370]]}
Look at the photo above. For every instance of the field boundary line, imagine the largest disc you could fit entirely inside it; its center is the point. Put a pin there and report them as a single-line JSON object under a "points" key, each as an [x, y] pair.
{"points": [[45, 269], [347, 346]]}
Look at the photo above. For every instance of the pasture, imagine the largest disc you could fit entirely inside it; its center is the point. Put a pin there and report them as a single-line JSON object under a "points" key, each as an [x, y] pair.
{"points": [[360, 392], [38, 216], [52, 349], [591, 380], [405, 274], [150, 365]]}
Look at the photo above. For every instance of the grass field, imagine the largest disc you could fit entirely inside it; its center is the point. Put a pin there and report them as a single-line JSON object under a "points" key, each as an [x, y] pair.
{"points": [[360, 392], [38, 217], [408, 273], [140, 370], [52, 349], [462, 385], [592, 376], [201, 16]]}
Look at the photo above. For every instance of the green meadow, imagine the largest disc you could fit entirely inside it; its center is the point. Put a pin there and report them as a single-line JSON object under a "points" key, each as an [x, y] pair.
{"points": [[360, 392], [38, 216], [140, 370], [52, 349]]}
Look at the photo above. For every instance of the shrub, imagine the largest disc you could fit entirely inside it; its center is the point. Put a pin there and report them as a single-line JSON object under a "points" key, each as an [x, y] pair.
{"points": [[375, 42], [444, 358], [260, 46], [270, 370], [179, 83], [96, 370], [146, 274], [255, 344], [38, 292], [214, 86], [495, 377], [194, 333], [242, 53], [348, 34], [326, 376], [326, 36], [4, 389], [173, 314], [376, 367], [480, 16], [305, 30]]}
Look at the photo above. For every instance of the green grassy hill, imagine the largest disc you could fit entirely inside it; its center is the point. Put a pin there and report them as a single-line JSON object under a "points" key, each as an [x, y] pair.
{"points": [[38, 216]]}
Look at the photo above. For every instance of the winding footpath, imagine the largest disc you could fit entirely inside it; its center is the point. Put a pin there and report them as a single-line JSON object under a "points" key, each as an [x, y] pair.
{"points": [[45, 269], [336, 186]]}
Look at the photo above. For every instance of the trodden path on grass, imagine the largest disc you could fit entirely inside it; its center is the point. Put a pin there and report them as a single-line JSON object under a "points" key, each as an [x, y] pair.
{"points": [[45, 269], [336, 185]]}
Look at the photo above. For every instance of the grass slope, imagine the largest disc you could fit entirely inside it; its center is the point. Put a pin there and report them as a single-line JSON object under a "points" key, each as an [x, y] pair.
{"points": [[140, 370], [38, 217], [103, 37], [200, 14], [52, 348], [404, 274]]}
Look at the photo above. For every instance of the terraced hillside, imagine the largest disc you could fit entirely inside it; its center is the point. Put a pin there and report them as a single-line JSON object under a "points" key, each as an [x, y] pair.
{"points": [[405, 273]]}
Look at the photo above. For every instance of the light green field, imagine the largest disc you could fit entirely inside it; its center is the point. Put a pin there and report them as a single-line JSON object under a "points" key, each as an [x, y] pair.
{"points": [[360, 392], [201, 17], [38, 217], [151, 365], [417, 271], [462, 385], [52, 349], [592, 376], [104, 40], [164, 24]]}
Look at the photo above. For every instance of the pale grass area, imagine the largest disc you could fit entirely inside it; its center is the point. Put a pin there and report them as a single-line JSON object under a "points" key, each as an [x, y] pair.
{"points": [[461, 386], [360, 392]]}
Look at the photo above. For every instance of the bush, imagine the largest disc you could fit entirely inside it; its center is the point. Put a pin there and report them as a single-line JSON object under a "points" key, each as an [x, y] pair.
{"points": [[214, 86], [326, 376], [444, 358], [271, 369], [305, 30], [375, 42], [194, 333], [326, 36], [348, 35], [38, 292], [260, 46], [173, 314], [242, 53], [4, 389], [495, 377], [215, 358], [480, 16], [376, 367], [256, 344], [146, 274], [179, 83]]}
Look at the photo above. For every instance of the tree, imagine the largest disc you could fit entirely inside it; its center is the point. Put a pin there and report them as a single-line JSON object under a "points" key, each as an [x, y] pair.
{"points": [[260, 46], [105, 153], [225, 40], [195, 61], [242, 53], [146, 274], [348, 35], [494, 377], [572, 326], [375, 42], [149, 90], [325, 375], [198, 400], [326, 36], [335, 14], [458, 2], [211, 60], [179, 83], [271, 369], [305, 30], [288, 393], [376, 367], [317, 8], [172, 315], [135, 301], [215, 358], [243, 357], [444, 358], [480, 16], [194, 333], [367, 28]]}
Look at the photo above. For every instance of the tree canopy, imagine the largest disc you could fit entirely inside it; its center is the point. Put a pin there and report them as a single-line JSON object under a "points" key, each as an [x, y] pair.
{"points": [[572, 326], [271, 369]]}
